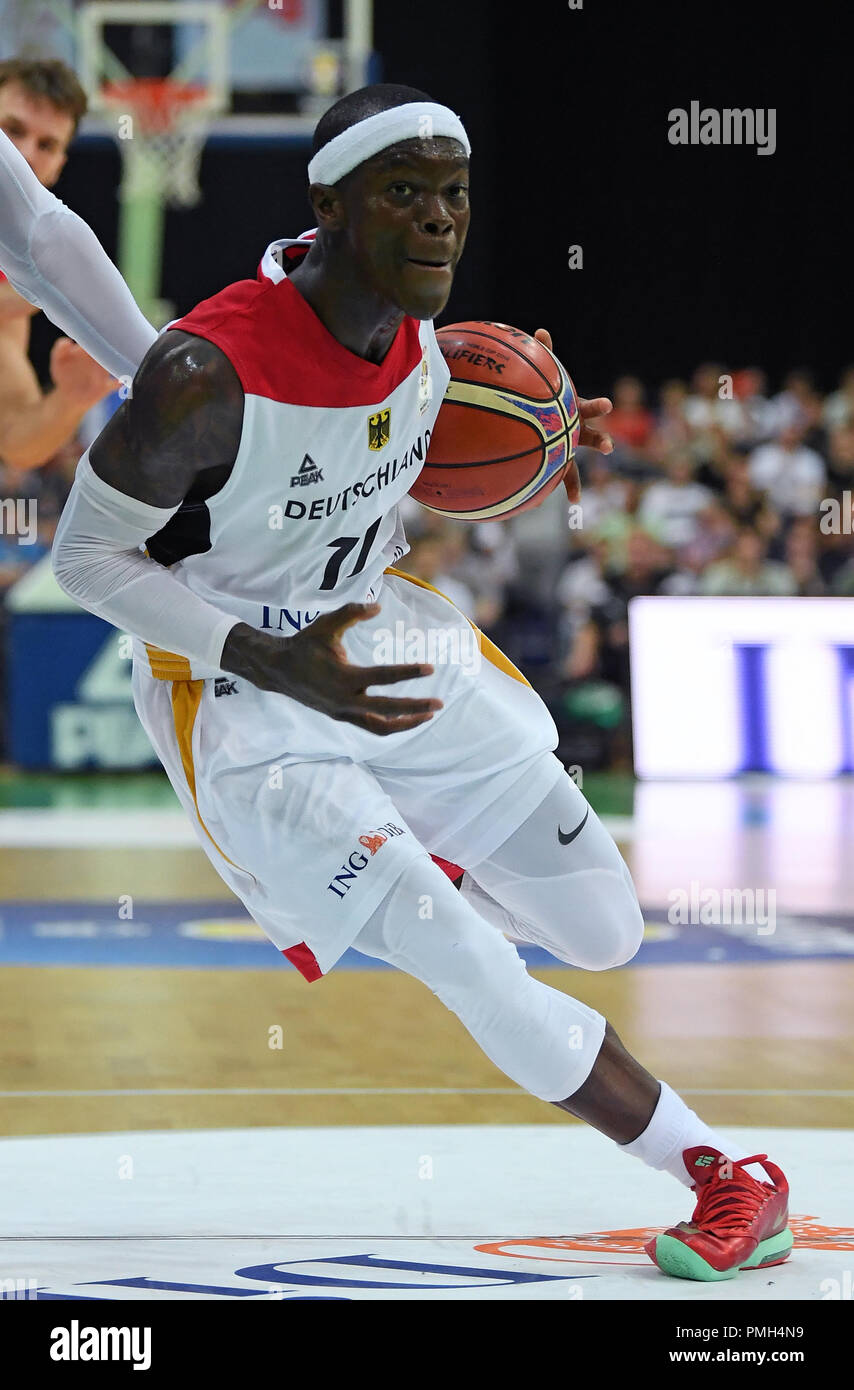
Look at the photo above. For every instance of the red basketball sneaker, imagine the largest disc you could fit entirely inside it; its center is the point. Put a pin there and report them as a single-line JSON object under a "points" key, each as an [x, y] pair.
{"points": [[738, 1222]]}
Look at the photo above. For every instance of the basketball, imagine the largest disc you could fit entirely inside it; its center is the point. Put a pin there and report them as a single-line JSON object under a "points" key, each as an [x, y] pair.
{"points": [[508, 427]]}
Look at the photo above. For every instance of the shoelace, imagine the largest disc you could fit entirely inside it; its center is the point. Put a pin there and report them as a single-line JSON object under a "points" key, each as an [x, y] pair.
{"points": [[725, 1203]]}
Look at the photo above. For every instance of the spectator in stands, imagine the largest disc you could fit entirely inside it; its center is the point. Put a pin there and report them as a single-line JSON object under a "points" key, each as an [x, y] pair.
{"points": [[672, 507], [715, 535], [591, 704], [836, 548], [487, 564], [792, 408], [432, 558], [540, 537], [581, 588], [712, 410], [840, 459], [604, 492], [672, 430], [838, 409], [757, 417], [843, 580], [769, 527], [802, 558], [747, 570], [703, 406], [789, 473], [630, 423], [617, 528], [647, 563], [742, 500]]}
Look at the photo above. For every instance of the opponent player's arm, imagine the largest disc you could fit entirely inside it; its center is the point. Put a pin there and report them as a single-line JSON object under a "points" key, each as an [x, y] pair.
{"points": [[55, 260], [184, 417], [13, 306], [33, 424]]}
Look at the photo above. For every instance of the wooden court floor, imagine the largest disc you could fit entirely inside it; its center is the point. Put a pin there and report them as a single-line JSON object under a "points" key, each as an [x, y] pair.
{"points": [[745, 1044]]}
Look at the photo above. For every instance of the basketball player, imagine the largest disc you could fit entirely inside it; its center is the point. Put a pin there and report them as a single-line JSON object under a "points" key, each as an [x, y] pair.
{"points": [[317, 801], [41, 103]]}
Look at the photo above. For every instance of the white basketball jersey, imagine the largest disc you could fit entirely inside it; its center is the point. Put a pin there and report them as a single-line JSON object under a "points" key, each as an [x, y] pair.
{"points": [[308, 519]]}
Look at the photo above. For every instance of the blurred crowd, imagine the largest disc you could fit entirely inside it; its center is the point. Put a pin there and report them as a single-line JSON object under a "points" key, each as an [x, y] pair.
{"points": [[717, 487], [714, 487], [30, 507], [41, 493]]}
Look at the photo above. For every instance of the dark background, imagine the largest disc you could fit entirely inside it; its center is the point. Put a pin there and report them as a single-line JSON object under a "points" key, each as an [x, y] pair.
{"points": [[690, 253]]}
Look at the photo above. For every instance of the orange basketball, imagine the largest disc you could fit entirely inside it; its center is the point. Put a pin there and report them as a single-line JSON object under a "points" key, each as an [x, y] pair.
{"points": [[507, 429]]}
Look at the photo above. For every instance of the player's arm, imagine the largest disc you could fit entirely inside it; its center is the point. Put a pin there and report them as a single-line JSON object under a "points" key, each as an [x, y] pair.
{"points": [[33, 425], [55, 261], [13, 306], [184, 417]]}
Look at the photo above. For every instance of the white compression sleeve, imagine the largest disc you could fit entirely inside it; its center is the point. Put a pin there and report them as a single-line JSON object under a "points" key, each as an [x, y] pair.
{"points": [[55, 260], [97, 561]]}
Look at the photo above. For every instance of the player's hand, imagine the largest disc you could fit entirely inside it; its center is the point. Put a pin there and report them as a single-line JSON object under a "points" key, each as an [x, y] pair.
{"points": [[589, 438], [78, 377], [312, 667]]}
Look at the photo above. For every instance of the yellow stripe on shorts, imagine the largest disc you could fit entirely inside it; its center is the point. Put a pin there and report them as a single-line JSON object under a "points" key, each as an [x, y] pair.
{"points": [[168, 666], [186, 698], [487, 648]]}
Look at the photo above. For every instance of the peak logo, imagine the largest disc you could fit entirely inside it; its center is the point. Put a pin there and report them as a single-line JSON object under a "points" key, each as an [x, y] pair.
{"points": [[357, 861], [308, 473]]}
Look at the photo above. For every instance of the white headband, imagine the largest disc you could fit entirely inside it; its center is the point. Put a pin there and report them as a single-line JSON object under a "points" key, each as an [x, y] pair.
{"points": [[416, 120]]}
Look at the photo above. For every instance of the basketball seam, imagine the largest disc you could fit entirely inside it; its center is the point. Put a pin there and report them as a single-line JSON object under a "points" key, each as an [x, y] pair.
{"points": [[507, 458], [505, 390], [493, 338], [464, 514], [499, 501]]}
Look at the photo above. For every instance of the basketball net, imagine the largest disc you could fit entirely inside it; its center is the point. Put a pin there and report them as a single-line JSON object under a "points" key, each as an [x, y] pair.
{"points": [[161, 130]]}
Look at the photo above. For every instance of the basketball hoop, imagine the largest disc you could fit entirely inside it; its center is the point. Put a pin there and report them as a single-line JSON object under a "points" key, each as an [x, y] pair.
{"points": [[161, 129]]}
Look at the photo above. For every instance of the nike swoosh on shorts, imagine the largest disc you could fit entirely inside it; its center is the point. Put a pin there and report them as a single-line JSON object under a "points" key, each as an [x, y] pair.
{"points": [[567, 839]]}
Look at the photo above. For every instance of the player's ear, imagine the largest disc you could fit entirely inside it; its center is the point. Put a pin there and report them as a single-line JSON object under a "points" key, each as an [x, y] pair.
{"points": [[327, 205]]}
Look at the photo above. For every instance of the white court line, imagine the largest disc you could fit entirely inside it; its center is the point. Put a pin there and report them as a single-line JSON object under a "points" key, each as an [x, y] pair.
{"points": [[374, 1091], [87, 829], [142, 829]]}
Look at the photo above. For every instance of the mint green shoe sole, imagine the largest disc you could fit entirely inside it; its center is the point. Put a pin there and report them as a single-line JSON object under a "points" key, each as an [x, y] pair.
{"points": [[675, 1257]]}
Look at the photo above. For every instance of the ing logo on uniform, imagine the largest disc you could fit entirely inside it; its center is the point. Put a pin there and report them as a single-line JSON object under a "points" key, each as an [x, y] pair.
{"points": [[372, 842], [379, 429], [357, 861]]}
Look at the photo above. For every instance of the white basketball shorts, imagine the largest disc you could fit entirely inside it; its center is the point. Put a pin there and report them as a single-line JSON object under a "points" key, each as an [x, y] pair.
{"points": [[310, 820]]}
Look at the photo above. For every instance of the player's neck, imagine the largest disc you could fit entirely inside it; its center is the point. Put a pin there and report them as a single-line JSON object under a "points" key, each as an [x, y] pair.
{"points": [[352, 312]]}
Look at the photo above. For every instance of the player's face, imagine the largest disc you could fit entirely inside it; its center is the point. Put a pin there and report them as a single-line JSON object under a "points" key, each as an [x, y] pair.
{"points": [[38, 129], [407, 215]]}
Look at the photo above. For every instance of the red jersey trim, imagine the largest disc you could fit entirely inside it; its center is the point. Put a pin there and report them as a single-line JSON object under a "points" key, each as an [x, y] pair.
{"points": [[305, 961], [281, 350]]}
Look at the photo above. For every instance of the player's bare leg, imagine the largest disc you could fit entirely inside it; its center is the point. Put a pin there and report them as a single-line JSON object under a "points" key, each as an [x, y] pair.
{"points": [[739, 1222], [619, 1096]]}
